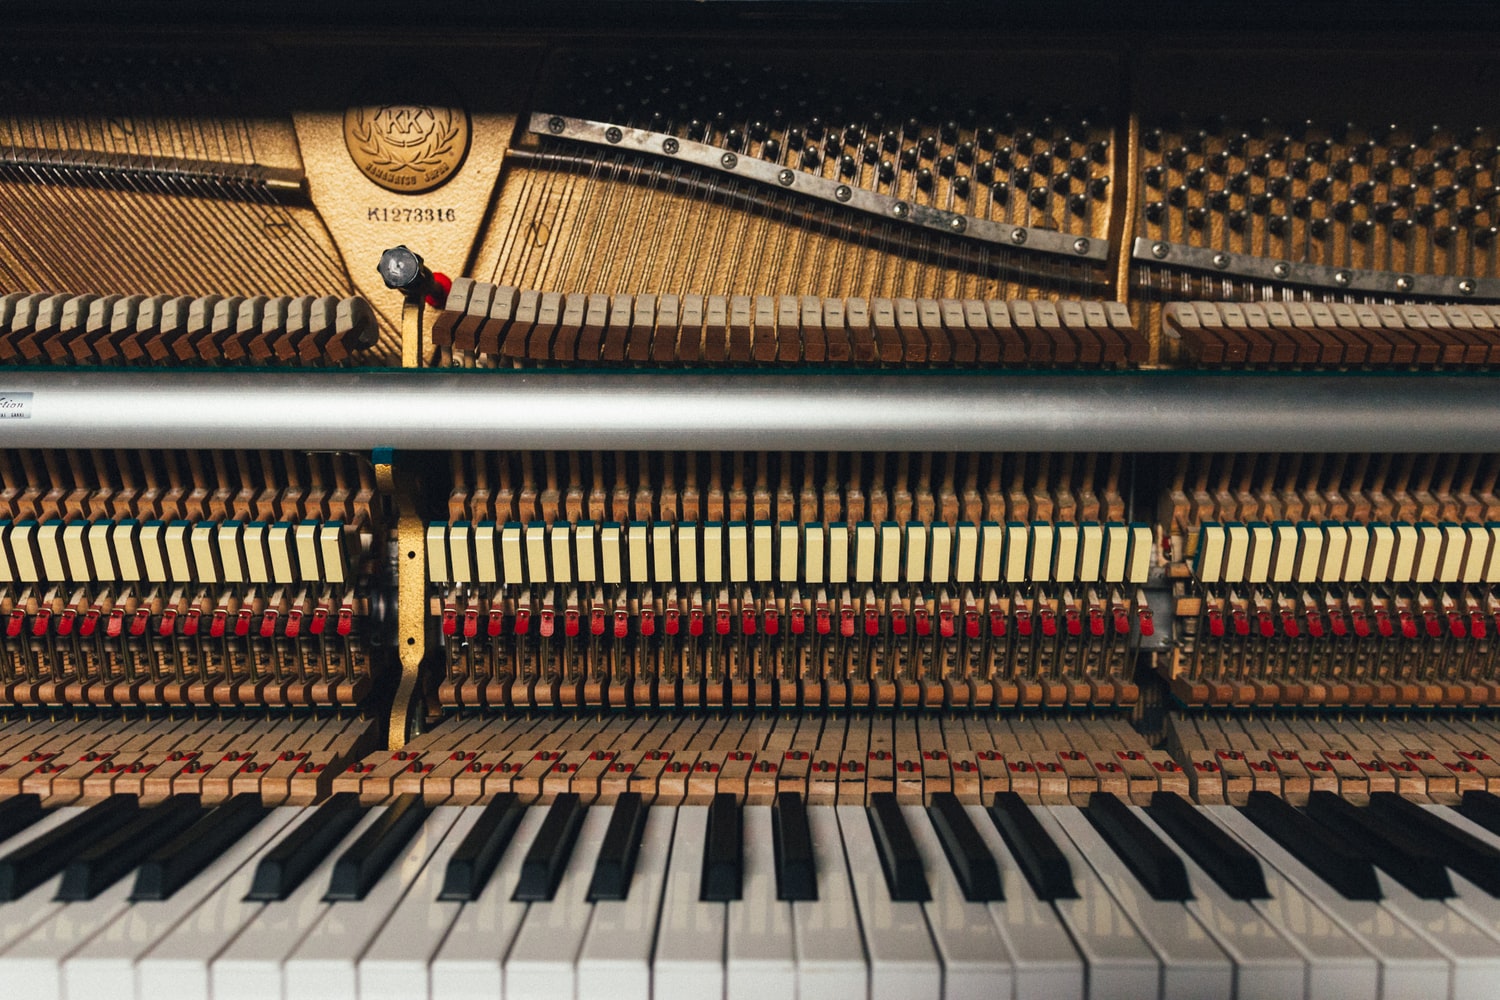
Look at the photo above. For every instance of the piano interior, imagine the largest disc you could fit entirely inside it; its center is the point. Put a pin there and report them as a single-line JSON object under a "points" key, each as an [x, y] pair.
{"points": [[779, 501]]}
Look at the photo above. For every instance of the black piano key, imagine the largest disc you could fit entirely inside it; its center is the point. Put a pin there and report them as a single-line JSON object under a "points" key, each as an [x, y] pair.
{"points": [[796, 870], [364, 861], [975, 867], [1463, 852], [1483, 808], [18, 812], [288, 864], [482, 848], [723, 851], [111, 858], [622, 842], [1225, 859], [543, 865], [898, 852], [1350, 874], [171, 866], [1154, 864], [1403, 856], [1038, 856], [34, 862]]}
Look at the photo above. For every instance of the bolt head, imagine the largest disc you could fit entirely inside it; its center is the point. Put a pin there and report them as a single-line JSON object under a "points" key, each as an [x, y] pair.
{"points": [[843, 193], [1281, 269], [1403, 283], [399, 268], [1018, 236], [1160, 250], [670, 146], [1221, 260], [556, 125], [1342, 278], [785, 178], [1466, 286], [957, 224], [613, 134], [1080, 245], [729, 160]]}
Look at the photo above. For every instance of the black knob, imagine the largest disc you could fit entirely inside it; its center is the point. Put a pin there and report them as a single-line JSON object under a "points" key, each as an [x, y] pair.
{"points": [[847, 165], [1197, 217], [1000, 192], [961, 186], [402, 270], [924, 179], [887, 171], [1154, 211], [947, 165], [1098, 186], [1038, 197]]}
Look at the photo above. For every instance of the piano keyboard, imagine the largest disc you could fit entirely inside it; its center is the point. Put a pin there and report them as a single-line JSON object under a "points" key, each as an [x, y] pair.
{"points": [[629, 899]]}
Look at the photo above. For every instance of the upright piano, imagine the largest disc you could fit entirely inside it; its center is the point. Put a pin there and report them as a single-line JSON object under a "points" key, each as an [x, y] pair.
{"points": [[749, 500]]}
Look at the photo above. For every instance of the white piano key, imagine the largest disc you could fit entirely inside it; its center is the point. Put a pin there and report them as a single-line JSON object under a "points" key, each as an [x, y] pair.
{"points": [[1265, 963], [759, 950], [904, 963], [1120, 963], [1192, 964], [469, 964], [541, 960], [1473, 953], [1337, 965], [106, 967], [394, 965], [615, 962], [976, 960], [831, 961], [1476, 905], [1410, 968], [760, 550], [32, 965], [250, 967], [19, 916], [177, 963], [689, 960], [324, 965], [1047, 966], [966, 553]]}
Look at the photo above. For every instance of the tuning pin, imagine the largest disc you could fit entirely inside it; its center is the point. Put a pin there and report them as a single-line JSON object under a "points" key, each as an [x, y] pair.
{"points": [[1239, 220], [947, 165], [1279, 225], [1319, 228], [961, 186], [1038, 197], [1197, 217], [887, 171], [1098, 186], [924, 179], [1000, 192], [1155, 210]]}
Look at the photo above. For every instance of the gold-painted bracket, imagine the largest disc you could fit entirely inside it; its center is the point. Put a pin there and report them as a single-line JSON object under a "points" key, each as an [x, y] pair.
{"points": [[411, 575]]}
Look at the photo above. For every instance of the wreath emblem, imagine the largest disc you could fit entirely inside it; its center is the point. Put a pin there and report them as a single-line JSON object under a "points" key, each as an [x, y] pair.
{"points": [[408, 148]]}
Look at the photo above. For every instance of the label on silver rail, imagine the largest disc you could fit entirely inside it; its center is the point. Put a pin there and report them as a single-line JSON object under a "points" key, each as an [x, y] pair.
{"points": [[15, 405]]}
